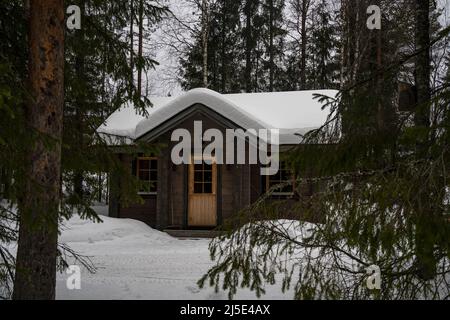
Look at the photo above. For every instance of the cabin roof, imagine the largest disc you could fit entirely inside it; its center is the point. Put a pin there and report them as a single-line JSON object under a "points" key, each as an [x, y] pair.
{"points": [[293, 113]]}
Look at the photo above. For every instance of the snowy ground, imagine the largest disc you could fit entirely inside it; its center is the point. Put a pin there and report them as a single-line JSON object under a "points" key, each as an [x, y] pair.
{"points": [[136, 262]]}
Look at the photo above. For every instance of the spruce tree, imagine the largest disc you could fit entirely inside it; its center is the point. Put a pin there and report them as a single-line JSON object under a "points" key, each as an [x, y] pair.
{"points": [[99, 80], [13, 136], [380, 176], [323, 66], [98, 75], [250, 35], [273, 43]]}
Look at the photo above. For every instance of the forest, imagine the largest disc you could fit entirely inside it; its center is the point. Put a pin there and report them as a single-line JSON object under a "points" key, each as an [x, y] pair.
{"points": [[385, 179]]}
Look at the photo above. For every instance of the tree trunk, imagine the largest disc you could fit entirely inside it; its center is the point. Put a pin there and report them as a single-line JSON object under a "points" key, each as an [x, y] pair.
{"points": [[100, 187], [205, 31], [271, 53], [79, 110], [224, 57], [248, 47], [426, 262], [131, 46], [38, 208], [140, 54], [305, 8], [423, 71]]}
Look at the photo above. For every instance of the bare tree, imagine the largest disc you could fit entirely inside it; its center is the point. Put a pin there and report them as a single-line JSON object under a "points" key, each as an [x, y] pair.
{"points": [[304, 16], [205, 32], [298, 25]]}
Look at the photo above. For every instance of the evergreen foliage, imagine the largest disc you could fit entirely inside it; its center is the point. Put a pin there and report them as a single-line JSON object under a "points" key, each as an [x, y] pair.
{"points": [[98, 78], [381, 181], [380, 176]]}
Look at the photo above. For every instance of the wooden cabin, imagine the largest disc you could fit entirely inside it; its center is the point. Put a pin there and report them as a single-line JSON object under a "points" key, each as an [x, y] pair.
{"points": [[200, 196]]}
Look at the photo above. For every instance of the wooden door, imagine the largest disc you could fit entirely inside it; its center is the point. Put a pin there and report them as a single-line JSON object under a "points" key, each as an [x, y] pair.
{"points": [[202, 202]]}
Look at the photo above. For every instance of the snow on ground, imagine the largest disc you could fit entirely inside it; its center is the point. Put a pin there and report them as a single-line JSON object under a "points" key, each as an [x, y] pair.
{"points": [[136, 262]]}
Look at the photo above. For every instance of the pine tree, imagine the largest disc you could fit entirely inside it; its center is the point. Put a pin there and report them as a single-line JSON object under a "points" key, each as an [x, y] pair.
{"points": [[35, 275]]}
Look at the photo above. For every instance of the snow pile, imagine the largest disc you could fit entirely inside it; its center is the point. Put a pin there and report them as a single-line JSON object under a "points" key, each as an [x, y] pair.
{"points": [[78, 230], [123, 122], [290, 112], [206, 97], [285, 110]]}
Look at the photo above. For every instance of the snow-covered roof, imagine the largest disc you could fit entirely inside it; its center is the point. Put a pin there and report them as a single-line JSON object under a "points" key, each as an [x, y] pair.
{"points": [[293, 113]]}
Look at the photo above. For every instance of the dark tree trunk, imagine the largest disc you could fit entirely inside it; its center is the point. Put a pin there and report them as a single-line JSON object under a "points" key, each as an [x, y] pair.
{"points": [[79, 110], [224, 55], [426, 262], [271, 49], [131, 46], [37, 246], [248, 47], [100, 187], [423, 69], [205, 32], [5, 183], [140, 51]]}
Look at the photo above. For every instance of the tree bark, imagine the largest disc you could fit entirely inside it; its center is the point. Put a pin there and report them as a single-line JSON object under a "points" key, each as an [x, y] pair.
{"points": [[423, 63], [140, 51], [38, 208], [224, 57], [80, 62], [131, 46], [425, 228], [305, 9], [205, 31], [248, 47], [271, 49]]}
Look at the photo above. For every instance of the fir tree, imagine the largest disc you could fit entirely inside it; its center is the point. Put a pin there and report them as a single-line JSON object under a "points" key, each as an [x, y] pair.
{"points": [[382, 184], [97, 81], [323, 67], [250, 35], [13, 136], [273, 43]]}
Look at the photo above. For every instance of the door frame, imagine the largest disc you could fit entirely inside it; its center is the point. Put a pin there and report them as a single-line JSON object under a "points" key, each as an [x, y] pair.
{"points": [[218, 195]]}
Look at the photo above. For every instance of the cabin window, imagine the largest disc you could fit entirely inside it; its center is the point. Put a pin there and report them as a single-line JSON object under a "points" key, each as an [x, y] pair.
{"points": [[284, 175], [203, 178], [147, 173]]}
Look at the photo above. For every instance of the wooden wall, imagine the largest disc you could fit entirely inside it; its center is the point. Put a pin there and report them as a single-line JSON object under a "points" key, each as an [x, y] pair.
{"points": [[238, 186], [143, 212]]}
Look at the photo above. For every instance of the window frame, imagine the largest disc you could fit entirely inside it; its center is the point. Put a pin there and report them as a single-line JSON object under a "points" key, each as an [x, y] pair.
{"points": [[280, 193], [191, 179], [138, 160]]}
